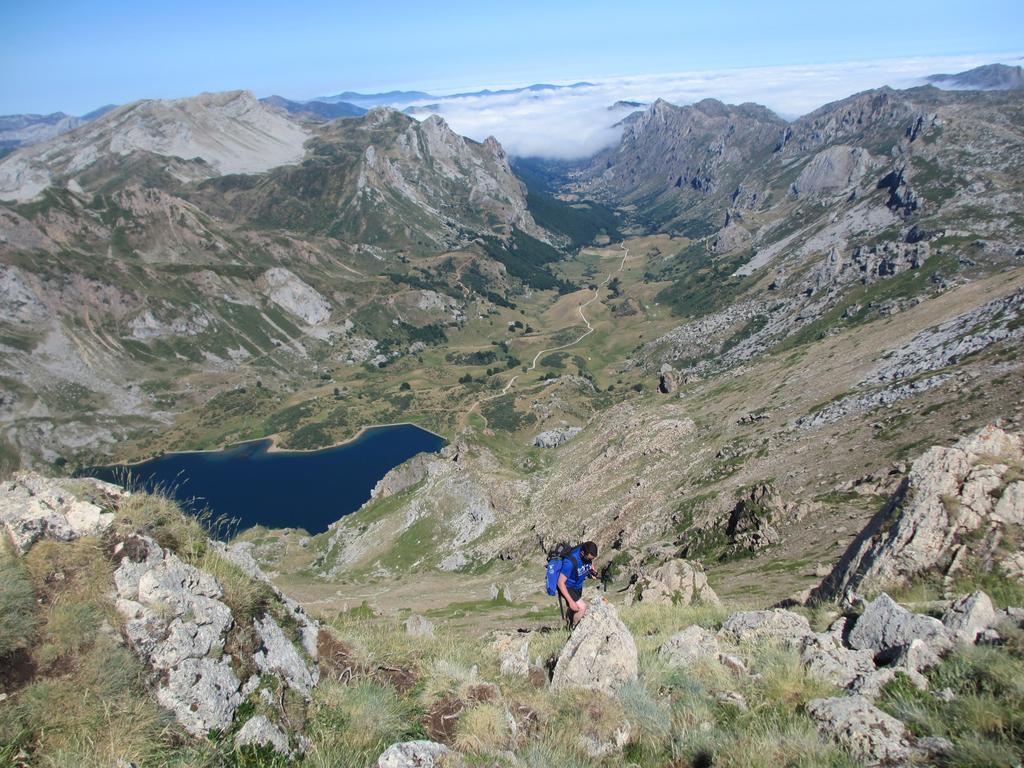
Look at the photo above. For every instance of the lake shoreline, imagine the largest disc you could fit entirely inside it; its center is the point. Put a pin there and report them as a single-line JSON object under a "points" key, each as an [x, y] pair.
{"points": [[274, 447], [254, 485]]}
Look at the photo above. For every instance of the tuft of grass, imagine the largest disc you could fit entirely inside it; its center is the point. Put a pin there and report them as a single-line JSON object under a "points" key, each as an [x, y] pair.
{"points": [[483, 729], [985, 720], [350, 725], [19, 617]]}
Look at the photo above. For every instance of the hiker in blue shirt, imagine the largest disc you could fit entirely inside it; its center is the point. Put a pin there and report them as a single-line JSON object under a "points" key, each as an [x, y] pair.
{"points": [[576, 567]]}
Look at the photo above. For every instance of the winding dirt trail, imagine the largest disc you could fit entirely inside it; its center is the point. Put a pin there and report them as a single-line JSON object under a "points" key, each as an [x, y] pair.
{"points": [[580, 308], [590, 329]]}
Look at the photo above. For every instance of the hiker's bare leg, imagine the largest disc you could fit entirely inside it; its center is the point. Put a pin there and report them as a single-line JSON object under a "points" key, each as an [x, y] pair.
{"points": [[580, 610]]}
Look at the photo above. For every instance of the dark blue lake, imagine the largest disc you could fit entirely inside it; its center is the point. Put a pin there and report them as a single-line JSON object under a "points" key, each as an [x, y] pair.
{"points": [[280, 489]]}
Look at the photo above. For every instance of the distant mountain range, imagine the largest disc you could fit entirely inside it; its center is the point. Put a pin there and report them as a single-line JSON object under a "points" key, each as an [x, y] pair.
{"points": [[393, 98], [316, 110], [990, 77]]}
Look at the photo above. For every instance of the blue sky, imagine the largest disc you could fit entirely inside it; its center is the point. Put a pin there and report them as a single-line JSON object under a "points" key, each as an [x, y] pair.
{"points": [[74, 55]]}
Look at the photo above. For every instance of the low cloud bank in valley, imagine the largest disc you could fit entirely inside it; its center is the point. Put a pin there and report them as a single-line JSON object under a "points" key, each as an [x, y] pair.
{"points": [[570, 123]]}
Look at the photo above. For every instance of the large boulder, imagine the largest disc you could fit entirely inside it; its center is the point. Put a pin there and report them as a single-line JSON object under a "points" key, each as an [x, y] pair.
{"points": [[600, 654], [33, 507], [413, 754], [777, 625], [885, 626], [868, 732], [690, 646], [949, 494], [677, 582]]}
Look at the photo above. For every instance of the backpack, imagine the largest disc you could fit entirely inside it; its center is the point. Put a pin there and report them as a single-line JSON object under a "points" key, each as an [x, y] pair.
{"points": [[556, 555]]}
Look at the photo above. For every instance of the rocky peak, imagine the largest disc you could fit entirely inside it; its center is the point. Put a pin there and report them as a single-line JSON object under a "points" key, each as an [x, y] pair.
{"points": [[230, 132]]}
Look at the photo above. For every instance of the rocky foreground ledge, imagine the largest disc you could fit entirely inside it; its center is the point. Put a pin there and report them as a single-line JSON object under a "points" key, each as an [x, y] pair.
{"points": [[228, 653]]}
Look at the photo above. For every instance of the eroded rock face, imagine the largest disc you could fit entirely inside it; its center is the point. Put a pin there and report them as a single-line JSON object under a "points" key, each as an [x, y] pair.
{"points": [[34, 507], [868, 732], [677, 582], [777, 625], [886, 625], [600, 654], [949, 494], [175, 620], [413, 754]]}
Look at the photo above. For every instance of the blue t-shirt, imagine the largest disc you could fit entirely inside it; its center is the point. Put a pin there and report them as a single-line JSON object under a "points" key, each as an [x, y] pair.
{"points": [[575, 577]]}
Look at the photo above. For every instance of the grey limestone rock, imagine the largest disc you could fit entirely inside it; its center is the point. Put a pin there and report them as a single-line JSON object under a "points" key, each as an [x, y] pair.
{"points": [[278, 656], [970, 616], [868, 732], [513, 649], [553, 438], [949, 493], [418, 626], [825, 658], [776, 625], [691, 645], [600, 655], [677, 582], [175, 620], [258, 731], [885, 625], [33, 507], [413, 754]]}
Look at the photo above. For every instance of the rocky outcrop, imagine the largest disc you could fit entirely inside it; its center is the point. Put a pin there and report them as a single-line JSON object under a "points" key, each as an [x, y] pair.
{"points": [[175, 619], [403, 477], [513, 649], [285, 289], [777, 625], [258, 731], [832, 171], [34, 507], [677, 582], [278, 656], [414, 754], [932, 521], [886, 625], [825, 657], [969, 616], [868, 732], [865, 264], [949, 342], [553, 438], [418, 626], [600, 655], [690, 646], [670, 380]]}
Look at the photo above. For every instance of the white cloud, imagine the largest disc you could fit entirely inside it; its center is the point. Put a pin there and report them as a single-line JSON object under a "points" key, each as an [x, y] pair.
{"points": [[572, 123]]}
